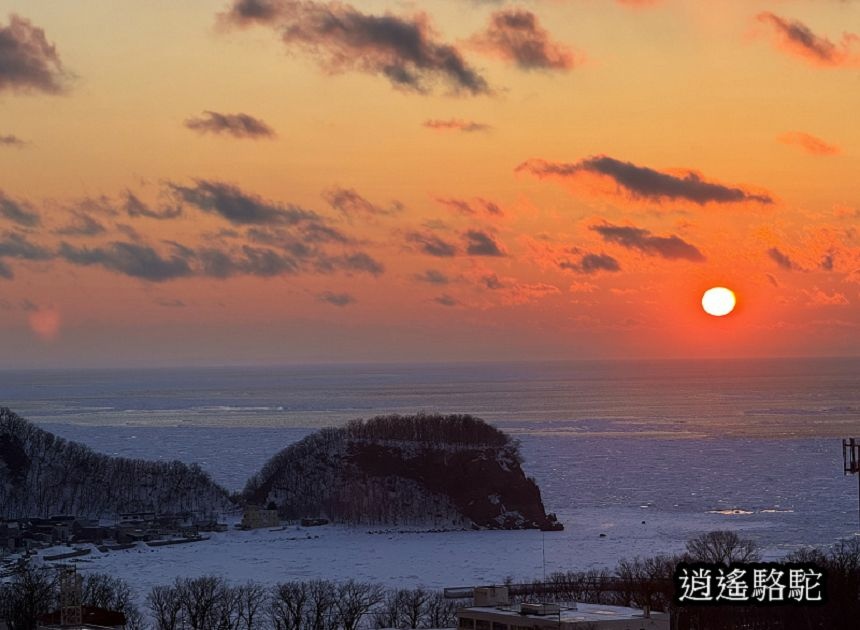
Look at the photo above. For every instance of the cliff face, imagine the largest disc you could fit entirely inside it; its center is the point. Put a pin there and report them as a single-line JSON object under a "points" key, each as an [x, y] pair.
{"points": [[42, 475], [442, 470]]}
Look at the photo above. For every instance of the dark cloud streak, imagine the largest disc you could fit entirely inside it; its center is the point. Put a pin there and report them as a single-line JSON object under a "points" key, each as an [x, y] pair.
{"points": [[402, 49], [237, 125], [646, 183], [669, 247]]}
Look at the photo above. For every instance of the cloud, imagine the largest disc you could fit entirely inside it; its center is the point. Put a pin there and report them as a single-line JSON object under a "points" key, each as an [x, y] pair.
{"points": [[797, 39], [130, 259], [351, 204], [402, 49], [446, 300], [10, 140], [524, 293], [82, 225], [782, 259], [238, 207], [592, 263], [134, 207], [15, 245], [362, 262], [336, 299], [645, 183], [432, 276], [432, 244], [491, 281], [480, 243], [237, 125], [516, 35], [477, 206], [18, 212], [808, 143], [669, 247], [817, 297], [28, 63], [6, 271], [456, 124], [253, 261]]}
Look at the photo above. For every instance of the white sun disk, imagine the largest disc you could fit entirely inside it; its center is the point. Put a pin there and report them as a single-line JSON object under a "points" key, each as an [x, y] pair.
{"points": [[718, 301]]}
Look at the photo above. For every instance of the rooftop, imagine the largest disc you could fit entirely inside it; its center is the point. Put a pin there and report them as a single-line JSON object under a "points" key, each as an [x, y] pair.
{"points": [[583, 612]]}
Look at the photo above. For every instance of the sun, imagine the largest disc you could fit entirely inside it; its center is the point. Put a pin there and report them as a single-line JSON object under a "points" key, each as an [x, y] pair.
{"points": [[718, 301]]}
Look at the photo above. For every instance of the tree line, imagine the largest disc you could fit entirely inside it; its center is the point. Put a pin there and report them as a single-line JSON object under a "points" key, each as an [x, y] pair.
{"points": [[212, 603], [42, 474]]}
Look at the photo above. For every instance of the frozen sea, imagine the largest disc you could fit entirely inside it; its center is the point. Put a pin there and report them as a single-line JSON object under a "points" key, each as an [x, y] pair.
{"points": [[646, 453]]}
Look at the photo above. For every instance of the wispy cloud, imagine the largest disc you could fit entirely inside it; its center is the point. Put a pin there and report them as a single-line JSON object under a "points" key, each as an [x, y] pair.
{"points": [[17, 245], [796, 38], [456, 124], [11, 140], [405, 50], [782, 259], [641, 182], [480, 243], [82, 224], [336, 299], [670, 247], [237, 125], [446, 300], [516, 35], [19, 212], [237, 206], [592, 263], [808, 143], [476, 206], [432, 276], [351, 204], [431, 244], [135, 207], [28, 62], [130, 259]]}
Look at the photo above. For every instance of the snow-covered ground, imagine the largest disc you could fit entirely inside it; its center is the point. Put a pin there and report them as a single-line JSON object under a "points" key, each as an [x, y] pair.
{"points": [[402, 558]]}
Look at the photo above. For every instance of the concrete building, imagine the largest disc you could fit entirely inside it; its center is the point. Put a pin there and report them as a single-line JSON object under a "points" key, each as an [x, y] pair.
{"points": [[493, 612], [256, 517]]}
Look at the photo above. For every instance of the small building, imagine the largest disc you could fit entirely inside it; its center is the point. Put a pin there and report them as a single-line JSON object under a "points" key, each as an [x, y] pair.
{"points": [[497, 614], [92, 618], [256, 517]]}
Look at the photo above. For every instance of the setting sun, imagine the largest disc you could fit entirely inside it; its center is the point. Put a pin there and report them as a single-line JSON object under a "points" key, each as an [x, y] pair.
{"points": [[718, 301]]}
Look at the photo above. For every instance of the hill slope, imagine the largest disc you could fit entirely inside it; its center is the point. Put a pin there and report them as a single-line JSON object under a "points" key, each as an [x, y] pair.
{"points": [[42, 474], [448, 470]]}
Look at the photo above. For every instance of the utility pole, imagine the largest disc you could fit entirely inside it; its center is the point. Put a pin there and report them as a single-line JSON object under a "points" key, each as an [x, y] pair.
{"points": [[851, 462]]}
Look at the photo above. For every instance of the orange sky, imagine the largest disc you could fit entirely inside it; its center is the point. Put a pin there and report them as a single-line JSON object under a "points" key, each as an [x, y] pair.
{"points": [[242, 181]]}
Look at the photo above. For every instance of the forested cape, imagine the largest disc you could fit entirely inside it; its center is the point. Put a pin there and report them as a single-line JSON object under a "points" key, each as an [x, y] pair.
{"points": [[43, 475], [452, 471], [449, 471]]}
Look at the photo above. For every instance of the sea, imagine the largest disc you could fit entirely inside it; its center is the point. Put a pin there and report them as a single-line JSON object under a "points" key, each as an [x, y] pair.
{"points": [[634, 456]]}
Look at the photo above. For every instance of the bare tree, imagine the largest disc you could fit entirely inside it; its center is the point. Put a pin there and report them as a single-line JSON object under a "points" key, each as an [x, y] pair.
{"points": [[723, 546], [199, 599], [251, 600], [30, 593], [354, 600], [164, 607]]}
